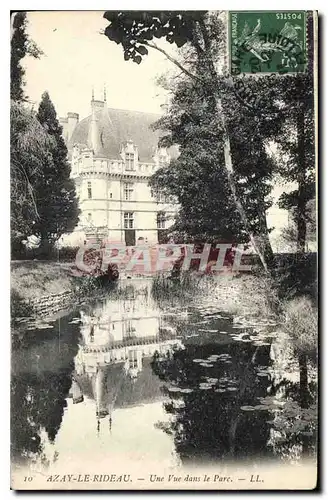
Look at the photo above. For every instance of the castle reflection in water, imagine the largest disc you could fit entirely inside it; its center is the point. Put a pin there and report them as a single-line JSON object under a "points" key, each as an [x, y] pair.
{"points": [[119, 339]]}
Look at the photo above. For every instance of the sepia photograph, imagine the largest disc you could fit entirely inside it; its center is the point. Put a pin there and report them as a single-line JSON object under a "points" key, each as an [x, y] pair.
{"points": [[163, 232]]}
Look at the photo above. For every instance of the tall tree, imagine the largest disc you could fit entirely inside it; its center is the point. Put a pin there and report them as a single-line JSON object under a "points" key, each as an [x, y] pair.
{"points": [[21, 45], [55, 191]]}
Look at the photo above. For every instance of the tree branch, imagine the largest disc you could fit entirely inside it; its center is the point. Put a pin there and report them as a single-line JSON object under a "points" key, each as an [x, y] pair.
{"points": [[173, 60]]}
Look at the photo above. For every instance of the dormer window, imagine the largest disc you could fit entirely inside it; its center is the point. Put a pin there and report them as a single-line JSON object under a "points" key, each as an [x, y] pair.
{"points": [[129, 161]]}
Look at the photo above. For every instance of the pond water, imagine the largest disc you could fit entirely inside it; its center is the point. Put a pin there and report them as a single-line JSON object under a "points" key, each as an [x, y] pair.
{"points": [[132, 378]]}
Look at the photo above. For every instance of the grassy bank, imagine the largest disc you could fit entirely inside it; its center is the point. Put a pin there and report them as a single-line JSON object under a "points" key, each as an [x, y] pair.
{"points": [[35, 279]]}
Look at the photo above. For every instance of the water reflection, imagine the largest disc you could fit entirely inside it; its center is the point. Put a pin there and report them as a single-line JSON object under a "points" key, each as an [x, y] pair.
{"points": [[119, 375]]}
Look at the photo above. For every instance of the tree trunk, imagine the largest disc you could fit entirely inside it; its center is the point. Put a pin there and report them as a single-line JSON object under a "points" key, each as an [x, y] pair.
{"points": [[229, 168], [267, 248], [304, 388]]}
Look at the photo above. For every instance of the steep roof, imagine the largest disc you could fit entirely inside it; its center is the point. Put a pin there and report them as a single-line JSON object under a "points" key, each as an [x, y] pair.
{"points": [[117, 126]]}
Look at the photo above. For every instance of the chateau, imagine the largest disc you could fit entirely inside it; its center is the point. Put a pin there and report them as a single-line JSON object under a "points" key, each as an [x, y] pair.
{"points": [[113, 153]]}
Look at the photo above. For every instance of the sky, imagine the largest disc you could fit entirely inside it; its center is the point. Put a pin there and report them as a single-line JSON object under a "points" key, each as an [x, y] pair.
{"points": [[77, 57]]}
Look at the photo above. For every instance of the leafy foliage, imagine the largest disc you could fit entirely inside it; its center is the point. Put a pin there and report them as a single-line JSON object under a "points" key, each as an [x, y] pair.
{"points": [[135, 29], [30, 150]]}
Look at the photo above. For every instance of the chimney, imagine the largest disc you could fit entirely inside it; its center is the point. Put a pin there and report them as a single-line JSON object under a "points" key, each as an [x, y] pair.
{"points": [[72, 121]]}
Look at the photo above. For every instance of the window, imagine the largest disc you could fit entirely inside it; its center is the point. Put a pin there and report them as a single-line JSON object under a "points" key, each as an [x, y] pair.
{"points": [[89, 190], [128, 220], [133, 359], [133, 363], [129, 161], [89, 217], [128, 191], [161, 220]]}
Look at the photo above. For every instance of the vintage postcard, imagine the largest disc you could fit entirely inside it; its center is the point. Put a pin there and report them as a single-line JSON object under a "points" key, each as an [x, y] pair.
{"points": [[164, 250]]}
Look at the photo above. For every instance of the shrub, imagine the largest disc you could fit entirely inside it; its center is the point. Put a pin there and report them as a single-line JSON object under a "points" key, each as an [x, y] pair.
{"points": [[296, 275], [50, 253], [18, 308], [301, 322]]}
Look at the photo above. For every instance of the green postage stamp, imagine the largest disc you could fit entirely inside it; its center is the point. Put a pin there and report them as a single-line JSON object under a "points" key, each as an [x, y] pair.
{"points": [[267, 42]]}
